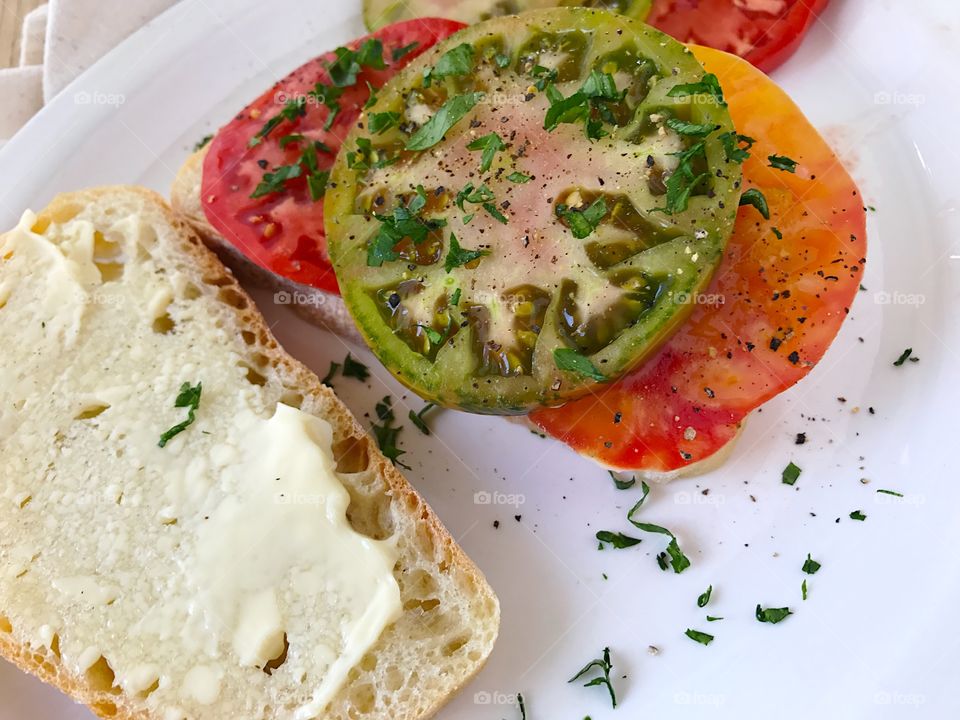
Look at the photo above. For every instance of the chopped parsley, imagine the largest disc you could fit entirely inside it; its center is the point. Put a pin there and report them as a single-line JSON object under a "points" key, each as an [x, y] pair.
{"points": [[458, 61], [683, 127], [604, 666], [707, 85], [490, 145], [622, 484], [188, 397], [328, 95], [417, 418], [273, 182], [386, 434], [569, 360], [331, 374], [803, 589], [348, 64], [705, 597], [790, 474], [292, 109], [646, 491], [518, 177], [202, 143], [616, 540], [711, 618], [772, 615], [810, 566], [700, 637], [904, 356], [405, 222], [732, 143], [683, 181], [449, 114], [758, 200], [583, 222], [678, 561], [455, 298], [857, 515], [366, 158], [457, 256], [355, 369], [782, 162], [890, 492], [379, 123], [482, 196], [404, 51], [588, 105], [434, 337], [776, 231]]}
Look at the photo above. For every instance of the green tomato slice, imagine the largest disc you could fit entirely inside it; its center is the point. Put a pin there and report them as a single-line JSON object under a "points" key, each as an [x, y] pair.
{"points": [[377, 13], [550, 191]]}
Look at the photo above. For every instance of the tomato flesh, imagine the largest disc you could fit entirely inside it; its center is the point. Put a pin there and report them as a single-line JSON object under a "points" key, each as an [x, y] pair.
{"points": [[767, 318], [283, 231], [764, 32]]}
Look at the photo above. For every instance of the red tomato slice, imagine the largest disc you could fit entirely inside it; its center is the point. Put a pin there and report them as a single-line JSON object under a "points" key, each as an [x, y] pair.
{"points": [[769, 315], [764, 32], [283, 231]]}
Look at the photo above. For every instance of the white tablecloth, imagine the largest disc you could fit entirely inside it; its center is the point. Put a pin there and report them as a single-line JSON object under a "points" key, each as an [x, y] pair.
{"points": [[59, 41]]}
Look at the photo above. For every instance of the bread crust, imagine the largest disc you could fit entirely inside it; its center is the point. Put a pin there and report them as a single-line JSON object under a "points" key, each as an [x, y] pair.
{"points": [[315, 306], [317, 399]]}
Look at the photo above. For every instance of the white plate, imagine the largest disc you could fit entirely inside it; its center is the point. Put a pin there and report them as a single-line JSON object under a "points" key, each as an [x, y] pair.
{"points": [[877, 637]]}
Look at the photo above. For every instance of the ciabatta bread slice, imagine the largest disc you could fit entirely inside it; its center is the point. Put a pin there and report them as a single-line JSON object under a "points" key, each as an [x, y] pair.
{"points": [[109, 307], [319, 307]]}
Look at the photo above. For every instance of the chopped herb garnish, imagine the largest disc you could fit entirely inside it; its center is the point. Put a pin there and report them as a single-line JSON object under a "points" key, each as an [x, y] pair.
{"points": [[366, 158], [449, 114], [404, 51], [662, 561], [202, 143], [501, 60], [616, 540], [188, 397], [605, 666], [458, 61], [622, 484], [433, 336], [683, 181], [457, 256], [518, 177], [782, 162], [273, 182], [343, 71], [803, 589], [455, 298], [331, 374], [490, 144], [890, 492], [707, 85], [732, 146], [683, 127], [405, 222], [291, 110], [701, 637], [810, 566], [417, 418], [678, 561], [317, 184], [386, 434], [904, 356], [587, 105], [857, 515], [705, 597], [355, 369], [776, 231], [758, 200], [569, 360], [328, 95], [583, 222], [646, 491], [772, 615], [379, 123], [711, 618], [790, 474]]}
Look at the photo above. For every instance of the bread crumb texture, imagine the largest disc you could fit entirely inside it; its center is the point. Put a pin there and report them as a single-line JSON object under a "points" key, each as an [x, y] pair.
{"points": [[195, 580]]}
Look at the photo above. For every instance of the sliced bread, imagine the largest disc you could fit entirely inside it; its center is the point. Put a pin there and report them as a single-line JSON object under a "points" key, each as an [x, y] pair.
{"points": [[111, 308]]}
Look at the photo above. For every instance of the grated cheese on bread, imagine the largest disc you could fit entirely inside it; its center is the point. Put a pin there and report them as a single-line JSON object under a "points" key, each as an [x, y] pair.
{"points": [[108, 305]]}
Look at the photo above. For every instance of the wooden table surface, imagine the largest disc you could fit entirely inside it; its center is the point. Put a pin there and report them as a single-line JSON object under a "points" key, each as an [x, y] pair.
{"points": [[11, 19]]}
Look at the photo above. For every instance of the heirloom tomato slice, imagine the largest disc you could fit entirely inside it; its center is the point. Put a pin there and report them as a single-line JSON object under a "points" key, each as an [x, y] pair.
{"points": [[511, 221], [265, 172], [776, 303]]}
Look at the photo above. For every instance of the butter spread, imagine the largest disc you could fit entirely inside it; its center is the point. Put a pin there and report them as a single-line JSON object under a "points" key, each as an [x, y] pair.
{"points": [[218, 566]]}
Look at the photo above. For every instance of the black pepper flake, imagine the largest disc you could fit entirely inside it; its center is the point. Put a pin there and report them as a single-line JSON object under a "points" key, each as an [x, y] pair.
{"points": [[710, 393], [801, 438], [496, 524], [517, 517], [617, 417], [775, 343], [794, 357], [262, 164]]}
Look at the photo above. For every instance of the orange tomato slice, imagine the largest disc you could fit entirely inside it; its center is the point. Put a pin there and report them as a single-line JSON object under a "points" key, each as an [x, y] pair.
{"points": [[772, 310]]}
